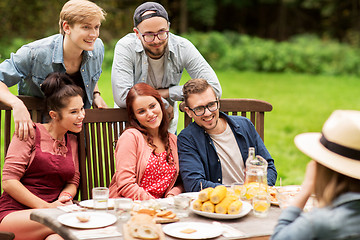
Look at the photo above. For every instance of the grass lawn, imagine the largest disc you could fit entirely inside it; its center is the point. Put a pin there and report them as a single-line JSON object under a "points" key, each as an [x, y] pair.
{"points": [[301, 103]]}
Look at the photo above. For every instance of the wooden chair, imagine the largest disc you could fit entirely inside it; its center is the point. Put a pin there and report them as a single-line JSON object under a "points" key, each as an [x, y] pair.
{"points": [[251, 108], [97, 141], [35, 106]]}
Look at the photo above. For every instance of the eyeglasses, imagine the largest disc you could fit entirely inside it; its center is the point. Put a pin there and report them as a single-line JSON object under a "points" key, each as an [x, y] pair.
{"points": [[200, 110], [150, 37]]}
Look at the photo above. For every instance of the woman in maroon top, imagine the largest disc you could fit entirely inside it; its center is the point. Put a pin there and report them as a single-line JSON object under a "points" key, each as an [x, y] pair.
{"points": [[43, 172], [147, 164]]}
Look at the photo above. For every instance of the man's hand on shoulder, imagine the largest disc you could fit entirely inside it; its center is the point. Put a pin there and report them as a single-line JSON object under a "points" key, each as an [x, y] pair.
{"points": [[24, 126], [98, 102]]}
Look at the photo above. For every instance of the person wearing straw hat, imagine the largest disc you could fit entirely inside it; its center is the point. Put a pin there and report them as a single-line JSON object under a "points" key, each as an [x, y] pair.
{"points": [[334, 176]]}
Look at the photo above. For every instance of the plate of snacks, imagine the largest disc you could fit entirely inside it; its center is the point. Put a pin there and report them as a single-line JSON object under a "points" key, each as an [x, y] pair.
{"points": [[192, 230], [219, 203], [160, 216], [273, 196]]}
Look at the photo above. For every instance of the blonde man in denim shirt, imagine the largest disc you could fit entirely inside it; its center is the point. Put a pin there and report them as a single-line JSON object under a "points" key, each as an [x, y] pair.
{"points": [[157, 57], [334, 176], [77, 51]]}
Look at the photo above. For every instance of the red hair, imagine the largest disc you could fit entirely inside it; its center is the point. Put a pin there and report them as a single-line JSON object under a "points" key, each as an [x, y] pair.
{"points": [[143, 89]]}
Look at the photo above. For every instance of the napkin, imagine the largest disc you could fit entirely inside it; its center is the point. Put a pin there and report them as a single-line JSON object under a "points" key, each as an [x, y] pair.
{"points": [[97, 233], [70, 208], [229, 232]]}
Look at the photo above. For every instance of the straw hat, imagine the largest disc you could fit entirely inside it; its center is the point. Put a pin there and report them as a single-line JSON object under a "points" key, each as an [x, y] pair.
{"points": [[338, 146]]}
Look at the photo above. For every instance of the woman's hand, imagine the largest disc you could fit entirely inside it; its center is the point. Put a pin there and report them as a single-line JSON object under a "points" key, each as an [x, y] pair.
{"points": [[170, 195], [65, 200], [308, 184], [307, 187], [56, 203]]}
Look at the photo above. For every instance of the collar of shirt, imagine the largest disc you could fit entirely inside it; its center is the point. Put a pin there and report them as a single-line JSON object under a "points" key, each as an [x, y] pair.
{"points": [[345, 198], [58, 53]]}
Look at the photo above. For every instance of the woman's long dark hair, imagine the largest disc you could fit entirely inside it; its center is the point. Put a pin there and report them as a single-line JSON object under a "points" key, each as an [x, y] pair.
{"points": [[143, 89]]}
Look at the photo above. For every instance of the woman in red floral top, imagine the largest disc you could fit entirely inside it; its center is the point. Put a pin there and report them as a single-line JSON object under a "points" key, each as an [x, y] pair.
{"points": [[147, 164]]}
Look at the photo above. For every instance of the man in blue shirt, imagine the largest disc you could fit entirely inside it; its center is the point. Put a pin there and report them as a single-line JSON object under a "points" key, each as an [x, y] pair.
{"points": [[213, 149], [157, 57]]}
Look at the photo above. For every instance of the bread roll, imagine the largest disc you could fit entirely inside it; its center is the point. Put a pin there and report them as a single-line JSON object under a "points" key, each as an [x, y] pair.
{"points": [[142, 226]]}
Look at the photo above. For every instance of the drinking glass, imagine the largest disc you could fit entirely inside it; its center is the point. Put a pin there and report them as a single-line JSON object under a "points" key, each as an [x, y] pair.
{"points": [[100, 197], [237, 188], [182, 204], [261, 204], [123, 207]]}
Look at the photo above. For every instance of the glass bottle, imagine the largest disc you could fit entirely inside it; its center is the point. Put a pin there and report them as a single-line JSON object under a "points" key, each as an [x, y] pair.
{"points": [[255, 175]]}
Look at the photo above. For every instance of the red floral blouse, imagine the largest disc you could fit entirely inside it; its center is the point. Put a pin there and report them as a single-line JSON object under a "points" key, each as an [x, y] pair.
{"points": [[158, 174]]}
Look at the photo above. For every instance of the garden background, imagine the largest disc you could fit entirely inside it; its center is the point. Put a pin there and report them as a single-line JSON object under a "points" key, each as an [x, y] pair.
{"points": [[302, 56]]}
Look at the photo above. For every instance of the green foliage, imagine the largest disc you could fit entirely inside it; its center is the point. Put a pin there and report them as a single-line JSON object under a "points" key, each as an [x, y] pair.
{"points": [[7, 47], [301, 54], [203, 11], [232, 51]]}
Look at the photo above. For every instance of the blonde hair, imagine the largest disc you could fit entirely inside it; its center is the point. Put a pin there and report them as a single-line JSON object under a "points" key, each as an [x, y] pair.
{"points": [[330, 184], [79, 11]]}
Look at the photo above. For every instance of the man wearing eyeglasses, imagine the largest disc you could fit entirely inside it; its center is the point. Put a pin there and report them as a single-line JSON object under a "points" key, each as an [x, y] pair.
{"points": [[157, 57], [213, 149]]}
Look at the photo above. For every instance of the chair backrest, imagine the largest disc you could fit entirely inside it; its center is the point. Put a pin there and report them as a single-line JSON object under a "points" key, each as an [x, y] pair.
{"points": [[97, 141], [251, 108], [35, 107]]}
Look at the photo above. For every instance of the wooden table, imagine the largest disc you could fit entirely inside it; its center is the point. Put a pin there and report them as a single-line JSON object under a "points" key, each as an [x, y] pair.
{"points": [[254, 228]]}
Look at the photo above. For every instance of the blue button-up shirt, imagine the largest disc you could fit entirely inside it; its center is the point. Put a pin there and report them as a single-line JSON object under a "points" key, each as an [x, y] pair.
{"points": [[198, 158], [341, 220], [30, 65]]}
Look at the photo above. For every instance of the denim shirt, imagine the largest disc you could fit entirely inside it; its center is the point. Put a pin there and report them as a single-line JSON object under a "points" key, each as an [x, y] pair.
{"points": [[130, 66], [30, 65], [198, 158], [341, 220]]}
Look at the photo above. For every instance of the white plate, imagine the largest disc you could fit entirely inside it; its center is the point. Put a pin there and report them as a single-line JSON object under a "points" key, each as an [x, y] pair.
{"points": [[246, 208], [203, 230], [192, 195], [96, 220], [90, 204]]}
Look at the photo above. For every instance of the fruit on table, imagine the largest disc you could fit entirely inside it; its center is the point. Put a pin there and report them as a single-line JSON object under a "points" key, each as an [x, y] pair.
{"points": [[218, 194]]}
